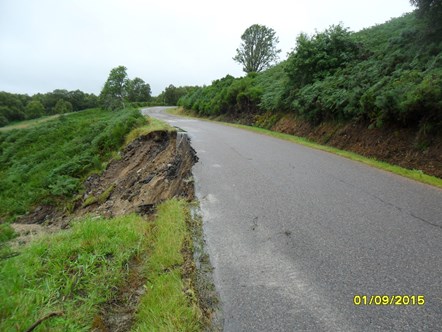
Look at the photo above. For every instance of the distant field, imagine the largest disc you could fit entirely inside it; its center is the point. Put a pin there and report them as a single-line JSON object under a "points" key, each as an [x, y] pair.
{"points": [[47, 159]]}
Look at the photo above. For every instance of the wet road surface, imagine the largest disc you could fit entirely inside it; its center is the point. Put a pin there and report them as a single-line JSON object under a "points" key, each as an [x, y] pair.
{"points": [[295, 233]]}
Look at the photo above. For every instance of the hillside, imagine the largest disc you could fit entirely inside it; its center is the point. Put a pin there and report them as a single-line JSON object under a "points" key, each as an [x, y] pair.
{"points": [[377, 92], [95, 226]]}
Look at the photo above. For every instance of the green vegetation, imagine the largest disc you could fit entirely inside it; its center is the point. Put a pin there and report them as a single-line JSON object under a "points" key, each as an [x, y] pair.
{"points": [[258, 48], [416, 175], [390, 74], [153, 125], [119, 90], [47, 162], [165, 307], [29, 123], [71, 272], [18, 107], [74, 273], [171, 95], [431, 12]]}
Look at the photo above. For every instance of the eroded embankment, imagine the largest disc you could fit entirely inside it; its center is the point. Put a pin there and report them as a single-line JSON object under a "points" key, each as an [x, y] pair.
{"points": [[152, 169]]}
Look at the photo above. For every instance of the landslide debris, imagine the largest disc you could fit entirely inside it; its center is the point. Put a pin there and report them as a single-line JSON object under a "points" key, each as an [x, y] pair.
{"points": [[152, 169]]}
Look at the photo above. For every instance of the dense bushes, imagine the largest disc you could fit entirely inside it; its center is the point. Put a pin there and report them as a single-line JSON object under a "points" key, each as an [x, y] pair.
{"points": [[48, 161], [390, 73], [227, 95]]}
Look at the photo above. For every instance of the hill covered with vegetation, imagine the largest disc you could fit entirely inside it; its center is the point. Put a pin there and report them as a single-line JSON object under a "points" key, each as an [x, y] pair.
{"points": [[47, 162], [384, 80], [390, 73]]}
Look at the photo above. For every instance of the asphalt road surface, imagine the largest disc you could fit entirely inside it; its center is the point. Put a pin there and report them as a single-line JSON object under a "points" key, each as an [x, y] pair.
{"points": [[294, 234]]}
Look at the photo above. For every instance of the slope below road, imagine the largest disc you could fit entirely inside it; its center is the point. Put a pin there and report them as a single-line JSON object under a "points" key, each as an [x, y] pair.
{"points": [[295, 233]]}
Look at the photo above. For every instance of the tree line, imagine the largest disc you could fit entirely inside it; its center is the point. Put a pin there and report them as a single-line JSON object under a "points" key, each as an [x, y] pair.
{"points": [[118, 91], [387, 74], [18, 107]]}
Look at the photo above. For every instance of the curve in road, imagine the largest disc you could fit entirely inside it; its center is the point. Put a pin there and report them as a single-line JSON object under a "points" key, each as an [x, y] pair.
{"points": [[294, 234]]}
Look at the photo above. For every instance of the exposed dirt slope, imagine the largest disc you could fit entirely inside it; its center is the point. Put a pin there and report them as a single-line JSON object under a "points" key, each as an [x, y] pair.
{"points": [[152, 168]]}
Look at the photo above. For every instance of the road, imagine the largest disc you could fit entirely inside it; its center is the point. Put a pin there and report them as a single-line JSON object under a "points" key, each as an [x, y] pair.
{"points": [[295, 233]]}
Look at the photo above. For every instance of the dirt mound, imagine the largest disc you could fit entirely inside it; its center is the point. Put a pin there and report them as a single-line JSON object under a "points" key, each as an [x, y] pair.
{"points": [[152, 168]]}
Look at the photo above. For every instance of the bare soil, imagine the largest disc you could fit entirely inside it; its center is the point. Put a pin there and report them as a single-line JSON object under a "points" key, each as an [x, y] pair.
{"points": [[152, 169]]}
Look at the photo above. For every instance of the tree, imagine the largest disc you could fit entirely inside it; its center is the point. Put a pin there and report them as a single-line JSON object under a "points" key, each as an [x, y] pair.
{"points": [[258, 48], [113, 94], [430, 10], [172, 94], [34, 109], [62, 106], [12, 106], [138, 90]]}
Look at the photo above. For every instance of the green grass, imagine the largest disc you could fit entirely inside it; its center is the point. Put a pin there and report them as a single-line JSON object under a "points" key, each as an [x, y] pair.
{"points": [[72, 272], [47, 162], [152, 125], [416, 175], [166, 307], [76, 272]]}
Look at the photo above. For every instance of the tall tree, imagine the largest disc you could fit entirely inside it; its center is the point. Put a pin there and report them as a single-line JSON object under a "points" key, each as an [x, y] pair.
{"points": [[113, 94], [258, 48], [138, 90]]}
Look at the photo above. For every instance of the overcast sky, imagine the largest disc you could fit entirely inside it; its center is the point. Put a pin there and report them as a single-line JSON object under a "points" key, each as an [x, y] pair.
{"points": [[73, 44]]}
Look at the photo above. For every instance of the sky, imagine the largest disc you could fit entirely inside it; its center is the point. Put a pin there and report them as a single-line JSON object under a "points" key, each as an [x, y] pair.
{"points": [[73, 44]]}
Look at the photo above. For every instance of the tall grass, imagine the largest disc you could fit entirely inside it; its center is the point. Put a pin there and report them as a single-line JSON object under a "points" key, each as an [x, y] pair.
{"points": [[75, 272], [71, 273], [165, 306]]}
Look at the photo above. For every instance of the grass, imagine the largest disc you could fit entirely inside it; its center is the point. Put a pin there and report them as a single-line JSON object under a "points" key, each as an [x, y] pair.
{"points": [[67, 280], [152, 125], [416, 175], [47, 162], [75, 272], [71, 272], [165, 307]]}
